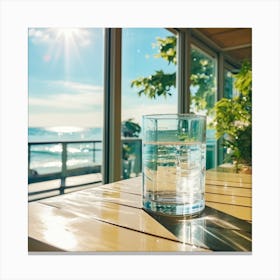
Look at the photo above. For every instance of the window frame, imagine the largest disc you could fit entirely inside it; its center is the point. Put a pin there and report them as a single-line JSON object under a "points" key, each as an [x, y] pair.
{"points": [[111, 169], [186, 37]]}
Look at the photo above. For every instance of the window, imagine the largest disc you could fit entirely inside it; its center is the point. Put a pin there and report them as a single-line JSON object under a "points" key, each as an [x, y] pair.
{"points": [[71, 72], [229, 89], [148, 86], [229, 92], [203, 91], [65, 75]]}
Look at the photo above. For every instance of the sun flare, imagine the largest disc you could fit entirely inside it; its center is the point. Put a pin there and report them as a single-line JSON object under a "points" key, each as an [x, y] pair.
{"points": [[68, 33], [67, 45]]}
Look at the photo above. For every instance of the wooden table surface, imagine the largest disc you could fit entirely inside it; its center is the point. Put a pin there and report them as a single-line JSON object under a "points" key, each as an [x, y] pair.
{"points": [[110, 218]]}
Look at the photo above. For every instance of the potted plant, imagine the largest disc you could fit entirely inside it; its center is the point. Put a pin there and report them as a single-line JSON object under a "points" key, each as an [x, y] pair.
{"points": [[233, 121], [130, 129]]}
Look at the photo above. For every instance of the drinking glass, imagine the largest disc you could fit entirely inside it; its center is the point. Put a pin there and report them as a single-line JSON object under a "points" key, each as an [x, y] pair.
{"points": [[174, 158]]}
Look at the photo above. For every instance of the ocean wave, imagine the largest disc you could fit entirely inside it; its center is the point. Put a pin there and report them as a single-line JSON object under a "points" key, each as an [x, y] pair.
{"points": [[65, 129], [46, 158], [45, 167], [68, 133], [58, 150]]}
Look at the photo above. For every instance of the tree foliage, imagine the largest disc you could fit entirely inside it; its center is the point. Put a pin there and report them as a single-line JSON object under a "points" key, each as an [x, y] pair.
{"points": [[130, 128], [158, 84], [162, 84], [167, 48], [232, 117], [202, 78]]}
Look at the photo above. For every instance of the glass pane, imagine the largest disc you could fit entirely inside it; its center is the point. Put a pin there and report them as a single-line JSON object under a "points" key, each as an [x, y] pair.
{"points": [[203, 89], [148, 86], [65, 76], [229, 90]]}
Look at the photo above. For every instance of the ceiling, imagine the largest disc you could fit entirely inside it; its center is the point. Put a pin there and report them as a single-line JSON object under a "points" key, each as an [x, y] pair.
{"points": [[234, 42]]}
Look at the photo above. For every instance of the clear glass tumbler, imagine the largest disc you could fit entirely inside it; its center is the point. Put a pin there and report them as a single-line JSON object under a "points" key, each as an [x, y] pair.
{"points": [[174, 158]]}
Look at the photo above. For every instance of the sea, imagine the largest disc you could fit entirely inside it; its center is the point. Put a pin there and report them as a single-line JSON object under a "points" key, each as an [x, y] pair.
{"points": [[46, 158]]}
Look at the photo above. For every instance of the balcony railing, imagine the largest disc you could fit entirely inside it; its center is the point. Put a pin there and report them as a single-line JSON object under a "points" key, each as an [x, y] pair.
{"points": [[131, 161], [35, 176]]}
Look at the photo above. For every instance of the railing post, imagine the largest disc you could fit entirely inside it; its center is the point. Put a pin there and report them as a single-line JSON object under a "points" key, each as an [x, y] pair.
{"points": [[64, 167], [138, 159], [29, 157], [93, 150], [140, 153]]}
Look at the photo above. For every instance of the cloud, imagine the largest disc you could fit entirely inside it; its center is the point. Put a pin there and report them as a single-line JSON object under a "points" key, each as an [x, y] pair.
{"points": [[71, 103], [81, 37], [67, 96], [46, 119], [76, 87], [40, 35], [64, 101]]}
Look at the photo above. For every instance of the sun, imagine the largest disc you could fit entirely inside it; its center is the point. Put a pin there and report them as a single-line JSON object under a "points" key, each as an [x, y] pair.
{"points": [[68, 44], [68, 33], [65, 46]]}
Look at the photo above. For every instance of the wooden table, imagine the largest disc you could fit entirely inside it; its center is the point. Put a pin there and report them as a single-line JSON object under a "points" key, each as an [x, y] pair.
{"points": [[110, 218]]}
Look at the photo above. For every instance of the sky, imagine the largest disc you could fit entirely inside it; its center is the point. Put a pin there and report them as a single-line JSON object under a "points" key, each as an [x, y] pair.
{"points": [[66, 75]]}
